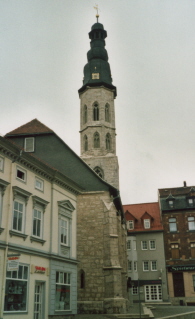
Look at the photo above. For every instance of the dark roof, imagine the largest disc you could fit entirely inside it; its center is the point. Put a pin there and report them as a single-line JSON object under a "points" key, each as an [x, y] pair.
{"points": [[144, 210], [176, 191], [32, 127]]}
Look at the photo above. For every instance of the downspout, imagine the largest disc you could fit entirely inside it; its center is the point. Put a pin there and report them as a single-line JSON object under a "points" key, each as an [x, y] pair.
{"points": [[7, 239]]}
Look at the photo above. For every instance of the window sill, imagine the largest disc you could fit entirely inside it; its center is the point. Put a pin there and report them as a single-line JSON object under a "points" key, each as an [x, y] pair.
{"points": [[38, 240], [15, 233], [1, 230]]}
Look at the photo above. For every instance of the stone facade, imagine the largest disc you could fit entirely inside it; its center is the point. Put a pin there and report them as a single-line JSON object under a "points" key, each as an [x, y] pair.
{"points": [[102, 268], [103, 157]]}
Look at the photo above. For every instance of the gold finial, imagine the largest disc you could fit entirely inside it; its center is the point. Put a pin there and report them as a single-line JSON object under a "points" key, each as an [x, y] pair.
{"points": [[96, 8]]}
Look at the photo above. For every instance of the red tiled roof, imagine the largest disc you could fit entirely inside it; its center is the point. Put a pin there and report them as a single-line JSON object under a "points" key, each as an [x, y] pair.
{"points": [[32, 127], [139, 210]]}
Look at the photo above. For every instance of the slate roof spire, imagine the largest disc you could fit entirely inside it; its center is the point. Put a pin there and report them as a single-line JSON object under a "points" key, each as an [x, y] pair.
{"points": [[97, 71]]}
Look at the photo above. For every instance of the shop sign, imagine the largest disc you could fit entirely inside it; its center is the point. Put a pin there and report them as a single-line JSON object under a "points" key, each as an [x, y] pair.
{"points": [[12, 265], [40, 269], [181, 268]]}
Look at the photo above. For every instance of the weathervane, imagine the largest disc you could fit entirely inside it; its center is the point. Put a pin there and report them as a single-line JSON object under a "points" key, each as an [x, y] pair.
{"points": [[96, 8]]}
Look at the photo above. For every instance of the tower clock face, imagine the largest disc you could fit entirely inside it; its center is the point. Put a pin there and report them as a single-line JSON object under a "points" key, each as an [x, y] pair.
{"points": [[95, 76]]}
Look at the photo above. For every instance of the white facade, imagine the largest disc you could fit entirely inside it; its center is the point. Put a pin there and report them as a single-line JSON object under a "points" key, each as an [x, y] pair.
{"points": [[38, 263]]}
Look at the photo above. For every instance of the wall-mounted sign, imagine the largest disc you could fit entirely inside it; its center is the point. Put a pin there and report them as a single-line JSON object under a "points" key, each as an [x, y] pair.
{"points": [[12, 265], [181, 268], [40, 269]]}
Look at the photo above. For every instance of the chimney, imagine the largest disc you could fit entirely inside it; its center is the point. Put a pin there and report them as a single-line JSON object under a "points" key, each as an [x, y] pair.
{"points": [[184, 184]]}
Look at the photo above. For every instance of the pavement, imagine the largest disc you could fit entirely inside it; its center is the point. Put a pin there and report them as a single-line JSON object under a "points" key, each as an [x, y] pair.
{"points": [[159, 311]]}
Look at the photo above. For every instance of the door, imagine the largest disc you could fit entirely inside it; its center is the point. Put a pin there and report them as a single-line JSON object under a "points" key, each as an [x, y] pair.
{"points": [[38, 301], [178, 284]]}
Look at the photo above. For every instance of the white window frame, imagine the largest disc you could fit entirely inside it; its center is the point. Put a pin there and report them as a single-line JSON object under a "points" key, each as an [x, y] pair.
{"points": [[131, 224], [36, 219], [1, 164], [145, 262], [64, 279], [129, 244], [191, 223], [151, 294], [153, 262], [19, 169], [39, 184], [135, 290], [144, 245], [64, 231], [12, 276], [31, 141], [150, 244], [146, 223], [18, 212]]}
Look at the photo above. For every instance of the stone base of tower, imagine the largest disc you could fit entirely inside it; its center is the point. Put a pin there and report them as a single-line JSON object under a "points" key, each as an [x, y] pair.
{"points": [[106, 306], [108, 164]]}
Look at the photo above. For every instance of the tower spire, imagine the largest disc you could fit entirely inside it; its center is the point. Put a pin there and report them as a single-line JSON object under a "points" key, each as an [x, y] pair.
{"points": [[97, 15]]}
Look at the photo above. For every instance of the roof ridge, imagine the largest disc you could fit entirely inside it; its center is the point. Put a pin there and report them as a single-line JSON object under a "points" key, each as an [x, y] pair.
{"points": [[32, 127]]}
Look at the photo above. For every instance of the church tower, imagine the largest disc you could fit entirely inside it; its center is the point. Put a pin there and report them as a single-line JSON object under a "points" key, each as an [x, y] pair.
{"points": [[97, 114]]}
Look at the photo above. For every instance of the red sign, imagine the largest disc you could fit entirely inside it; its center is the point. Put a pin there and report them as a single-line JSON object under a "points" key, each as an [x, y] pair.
{"points": [[40, 269], [12, 258]]}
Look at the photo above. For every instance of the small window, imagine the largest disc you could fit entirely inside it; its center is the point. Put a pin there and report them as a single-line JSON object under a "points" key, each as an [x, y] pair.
{"points": [[21, 174], [129, 265], [172, 225], [191, 202], [135, 266], [1, 163], [128, 244], [131, 224], [99, 172], [29, 144], [144, 245], [193, 280], [152, 244], [146, 223], [85, 143], [153, 265], [96, 139], [145, 265], [134, 290], [38, 183], [85, 114], [191, 223], [170, 203], [192, 248], [175, 251], [37, 222], [96, 112]]}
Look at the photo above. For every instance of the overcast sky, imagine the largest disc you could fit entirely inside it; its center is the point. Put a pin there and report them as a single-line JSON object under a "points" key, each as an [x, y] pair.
{"points": [[151, 48]]}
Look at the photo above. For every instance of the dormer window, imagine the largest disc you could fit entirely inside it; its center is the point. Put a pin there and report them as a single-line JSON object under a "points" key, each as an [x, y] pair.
{"points": [[146, 223], [29, 144], [170, 203], [131, 224]]}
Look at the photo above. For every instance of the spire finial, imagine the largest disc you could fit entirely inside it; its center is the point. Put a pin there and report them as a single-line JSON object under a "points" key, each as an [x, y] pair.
{"points": [[96, 8]]}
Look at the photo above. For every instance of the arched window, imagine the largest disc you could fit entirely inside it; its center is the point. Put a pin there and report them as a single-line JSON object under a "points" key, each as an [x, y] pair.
{"points": [[108, 141], [82, 279], [85, 114], [96, 112], [107, 112], [99, 171], [96, 140], [85, 143]]}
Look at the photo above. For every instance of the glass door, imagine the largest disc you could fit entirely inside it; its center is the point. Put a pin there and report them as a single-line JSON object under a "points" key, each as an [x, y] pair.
{"points": [[38, 303]]}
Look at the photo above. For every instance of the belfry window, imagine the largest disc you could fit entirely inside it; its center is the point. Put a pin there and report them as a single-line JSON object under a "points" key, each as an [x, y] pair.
{"points": [[96, 112], [108, 141], [85, 114], [85, 143], [99, 171], [96, 139], [107, 113]]}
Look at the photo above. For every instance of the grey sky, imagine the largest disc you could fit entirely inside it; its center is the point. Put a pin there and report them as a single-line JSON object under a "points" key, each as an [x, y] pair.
{"points": [[151, 48]]}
